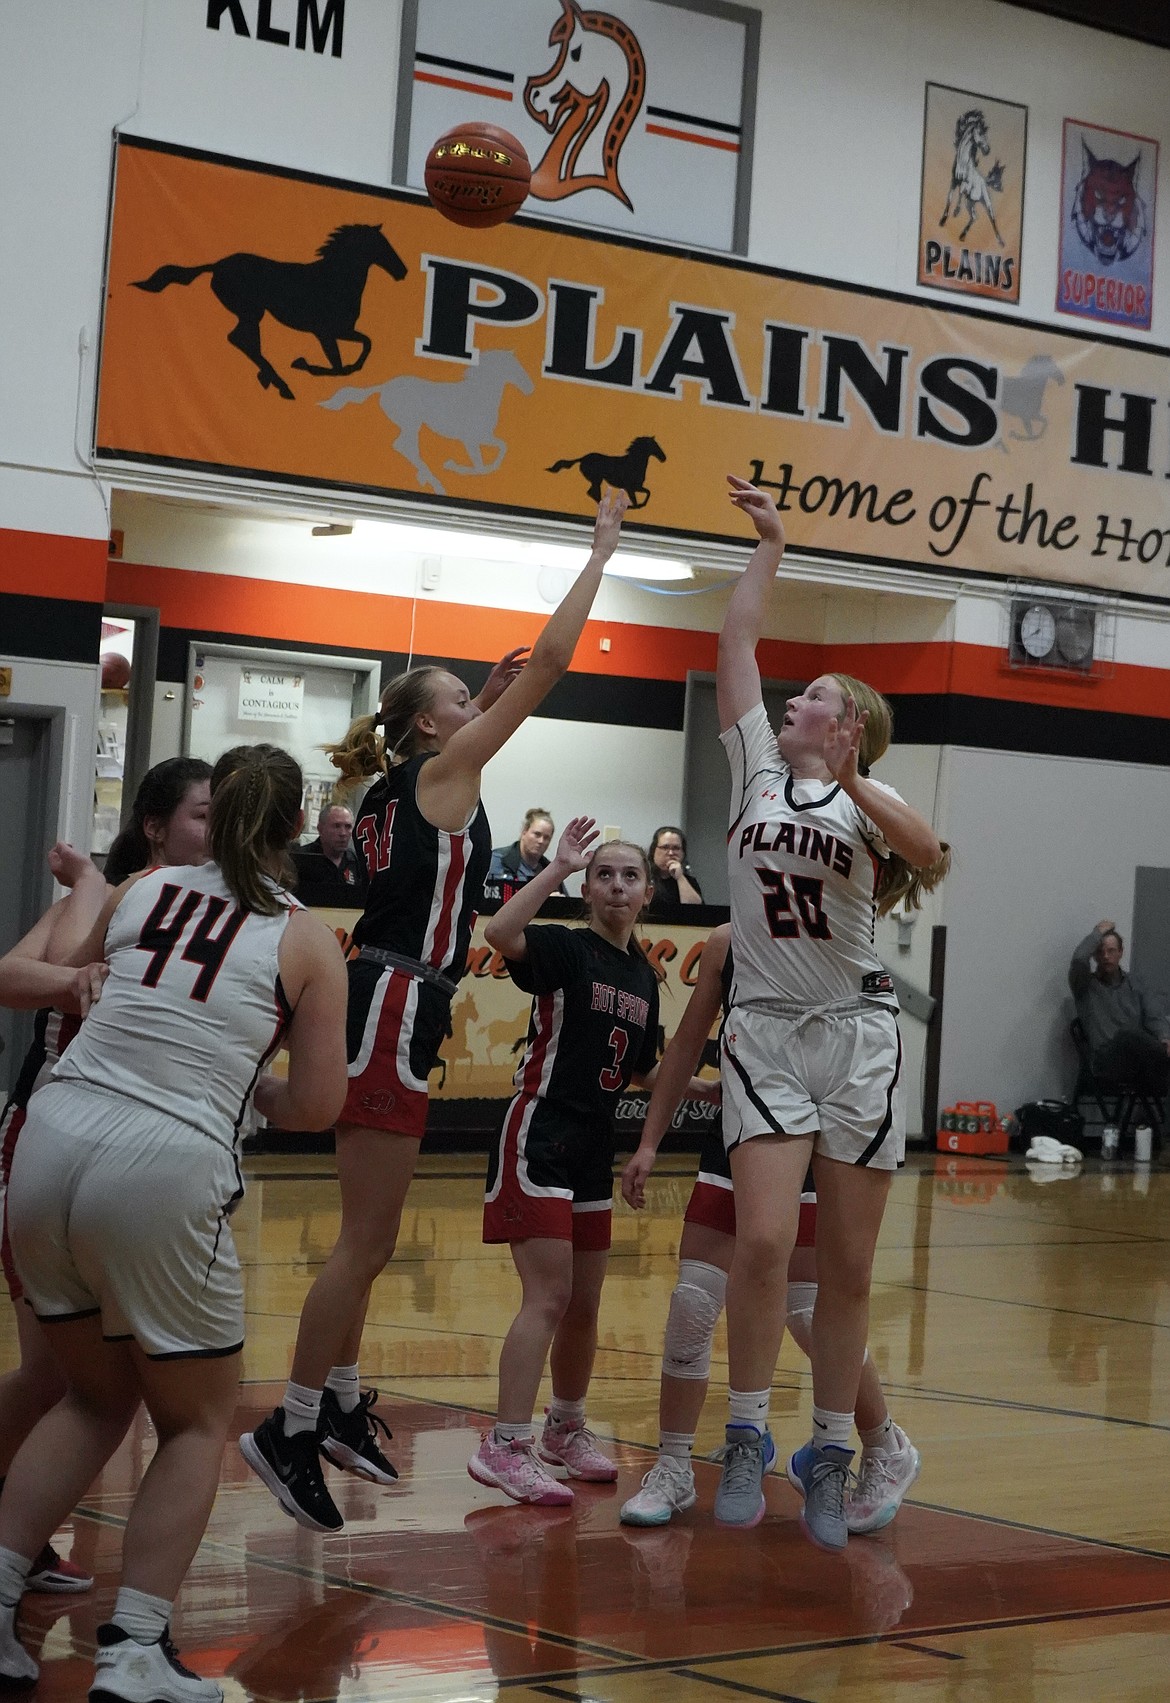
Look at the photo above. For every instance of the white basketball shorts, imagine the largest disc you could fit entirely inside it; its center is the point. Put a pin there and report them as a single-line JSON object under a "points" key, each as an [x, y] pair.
{"points": [[830, 1072], [120, 1212]]}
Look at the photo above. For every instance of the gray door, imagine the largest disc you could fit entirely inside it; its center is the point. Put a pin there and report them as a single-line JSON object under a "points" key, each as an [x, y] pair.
{"points": [[1148, 953], [25, 884], [706, 797]]}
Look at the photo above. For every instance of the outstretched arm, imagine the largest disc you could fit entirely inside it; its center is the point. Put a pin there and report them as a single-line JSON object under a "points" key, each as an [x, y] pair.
{"points": [[448, 785], [675, 1069], [505, 931], [738, 676], [509, 668]]}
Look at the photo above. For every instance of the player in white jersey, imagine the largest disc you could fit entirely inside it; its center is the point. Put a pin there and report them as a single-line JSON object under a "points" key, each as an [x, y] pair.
{"points": [[123, 1184], [167, 824], [810, 1056]]}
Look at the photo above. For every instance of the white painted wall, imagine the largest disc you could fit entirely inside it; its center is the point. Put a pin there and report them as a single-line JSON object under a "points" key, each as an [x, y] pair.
{"points": [[1047, 846]]}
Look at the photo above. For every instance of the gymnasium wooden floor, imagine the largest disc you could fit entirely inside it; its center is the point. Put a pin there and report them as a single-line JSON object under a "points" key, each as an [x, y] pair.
{"points": [[1023, 1330]]}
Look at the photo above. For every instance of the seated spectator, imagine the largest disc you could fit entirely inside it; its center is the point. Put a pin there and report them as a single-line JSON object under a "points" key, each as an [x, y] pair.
{"points": [[675, 885], [329, 869], [512, 866], [1127, 1032]]}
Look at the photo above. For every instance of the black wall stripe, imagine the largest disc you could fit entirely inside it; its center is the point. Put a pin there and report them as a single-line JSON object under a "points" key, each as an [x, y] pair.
{"points": [[51, 629]]}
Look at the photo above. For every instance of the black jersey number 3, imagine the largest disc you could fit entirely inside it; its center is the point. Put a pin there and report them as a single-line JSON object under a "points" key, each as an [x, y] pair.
{"points": [[611, 1076], [806, 892], [159, 937]]}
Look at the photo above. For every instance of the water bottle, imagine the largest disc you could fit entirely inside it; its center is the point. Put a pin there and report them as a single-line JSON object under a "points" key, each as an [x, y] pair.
{"points": [[1143, 1144], [1109, 1141]]}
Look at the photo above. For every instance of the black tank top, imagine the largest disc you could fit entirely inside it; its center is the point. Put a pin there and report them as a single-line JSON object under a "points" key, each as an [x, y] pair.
{"points": [[425, 884]]}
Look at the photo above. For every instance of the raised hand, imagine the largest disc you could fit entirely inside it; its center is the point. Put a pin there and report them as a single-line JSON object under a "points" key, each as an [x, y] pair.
{"points": [[573, 846], [502, 675], [760, 508], [68, 865], [607, 528], [843, 742]]}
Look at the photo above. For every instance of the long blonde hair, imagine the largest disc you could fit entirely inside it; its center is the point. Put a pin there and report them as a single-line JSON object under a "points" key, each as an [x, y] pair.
{"points": [[256, 795], [358, 755], [897, 879]]}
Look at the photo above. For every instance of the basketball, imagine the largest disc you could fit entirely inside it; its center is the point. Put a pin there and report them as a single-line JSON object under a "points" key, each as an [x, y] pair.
{"points": [[477, 175], [115, 671]]}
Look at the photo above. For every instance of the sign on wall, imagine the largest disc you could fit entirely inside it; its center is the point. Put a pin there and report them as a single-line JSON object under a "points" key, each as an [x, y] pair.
{"points": [[971, 216], [267, 325], [1108, 192], [270, 697], [637, 116]]}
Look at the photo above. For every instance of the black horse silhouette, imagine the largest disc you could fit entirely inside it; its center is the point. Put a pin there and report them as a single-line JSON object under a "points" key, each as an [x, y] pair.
{"points": [[322, 296], [624, 472]]}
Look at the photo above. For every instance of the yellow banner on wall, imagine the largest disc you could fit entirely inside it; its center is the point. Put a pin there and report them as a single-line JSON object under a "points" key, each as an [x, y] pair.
{"points": [[489, 1023], [269, 324]]}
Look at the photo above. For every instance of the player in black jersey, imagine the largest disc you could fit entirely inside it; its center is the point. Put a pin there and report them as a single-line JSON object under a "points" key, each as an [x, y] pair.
{"points": [[167, 825], [889, 1461], [593, 1031], [426, 842]]}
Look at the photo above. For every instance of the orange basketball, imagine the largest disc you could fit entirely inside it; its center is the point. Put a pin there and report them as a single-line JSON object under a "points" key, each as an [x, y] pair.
{"points": [[477, 174]]}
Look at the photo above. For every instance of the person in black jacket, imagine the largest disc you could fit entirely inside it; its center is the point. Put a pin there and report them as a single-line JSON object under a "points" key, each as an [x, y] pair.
{"points": [[675, 884], [512, 866], [329, 870]]}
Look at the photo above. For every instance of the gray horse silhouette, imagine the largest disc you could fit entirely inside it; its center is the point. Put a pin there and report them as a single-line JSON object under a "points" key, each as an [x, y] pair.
{"points": [[465, 410], [1023, 398]]}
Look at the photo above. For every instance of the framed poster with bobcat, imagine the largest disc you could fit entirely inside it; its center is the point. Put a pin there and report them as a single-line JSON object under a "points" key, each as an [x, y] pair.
{"points": [[1108, 191]]}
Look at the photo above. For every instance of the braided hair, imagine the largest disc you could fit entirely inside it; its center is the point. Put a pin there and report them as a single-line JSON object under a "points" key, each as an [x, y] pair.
{"points": [[256, 795]]}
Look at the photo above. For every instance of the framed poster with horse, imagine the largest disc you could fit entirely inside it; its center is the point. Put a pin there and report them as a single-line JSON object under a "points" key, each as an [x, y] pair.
{"points": [[971, 215]]}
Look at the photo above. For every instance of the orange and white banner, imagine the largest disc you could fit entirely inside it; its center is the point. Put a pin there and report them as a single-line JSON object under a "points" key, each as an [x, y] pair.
{"points": [[264, 324]]}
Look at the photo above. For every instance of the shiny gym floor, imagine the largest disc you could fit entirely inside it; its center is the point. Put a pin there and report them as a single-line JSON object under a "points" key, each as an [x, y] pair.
{"points": [[1022, 1327]]}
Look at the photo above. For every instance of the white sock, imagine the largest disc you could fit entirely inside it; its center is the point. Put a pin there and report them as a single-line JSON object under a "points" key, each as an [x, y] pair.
{"points": [[831, 1428], [14, 1570], [302, 1409], [678, 1444], [749, 1407], [881, 1440], [568, 1413], [509, 1433], [346, 1386], [145, 1618]]}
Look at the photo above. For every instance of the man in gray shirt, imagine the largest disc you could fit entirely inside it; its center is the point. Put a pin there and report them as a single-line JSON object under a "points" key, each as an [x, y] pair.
{"points": [[1128, 1032]]}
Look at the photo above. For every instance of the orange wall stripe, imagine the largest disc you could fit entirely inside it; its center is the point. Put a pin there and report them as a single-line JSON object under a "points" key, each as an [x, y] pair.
{"points": [[347, 620], [42, 564]]}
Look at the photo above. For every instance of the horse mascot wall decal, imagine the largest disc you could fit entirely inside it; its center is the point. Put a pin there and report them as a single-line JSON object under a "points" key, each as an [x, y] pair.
{"points": [[465, 409], [1022, 398], [322, 297], [588, 100], [624, 472], [968, 183]]}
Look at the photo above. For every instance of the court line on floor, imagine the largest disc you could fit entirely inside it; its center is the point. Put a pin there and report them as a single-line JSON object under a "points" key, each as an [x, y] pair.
{"points": [[742, 1688], [381, 1593], [1012, 1301], [621, 1661], [854, 1641]]}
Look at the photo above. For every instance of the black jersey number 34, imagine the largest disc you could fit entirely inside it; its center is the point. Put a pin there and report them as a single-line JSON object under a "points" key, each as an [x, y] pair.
{"points": [[794, 905]]}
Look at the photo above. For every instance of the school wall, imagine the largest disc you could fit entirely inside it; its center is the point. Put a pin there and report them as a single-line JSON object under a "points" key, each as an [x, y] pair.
{"points": [[835, 194]]}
